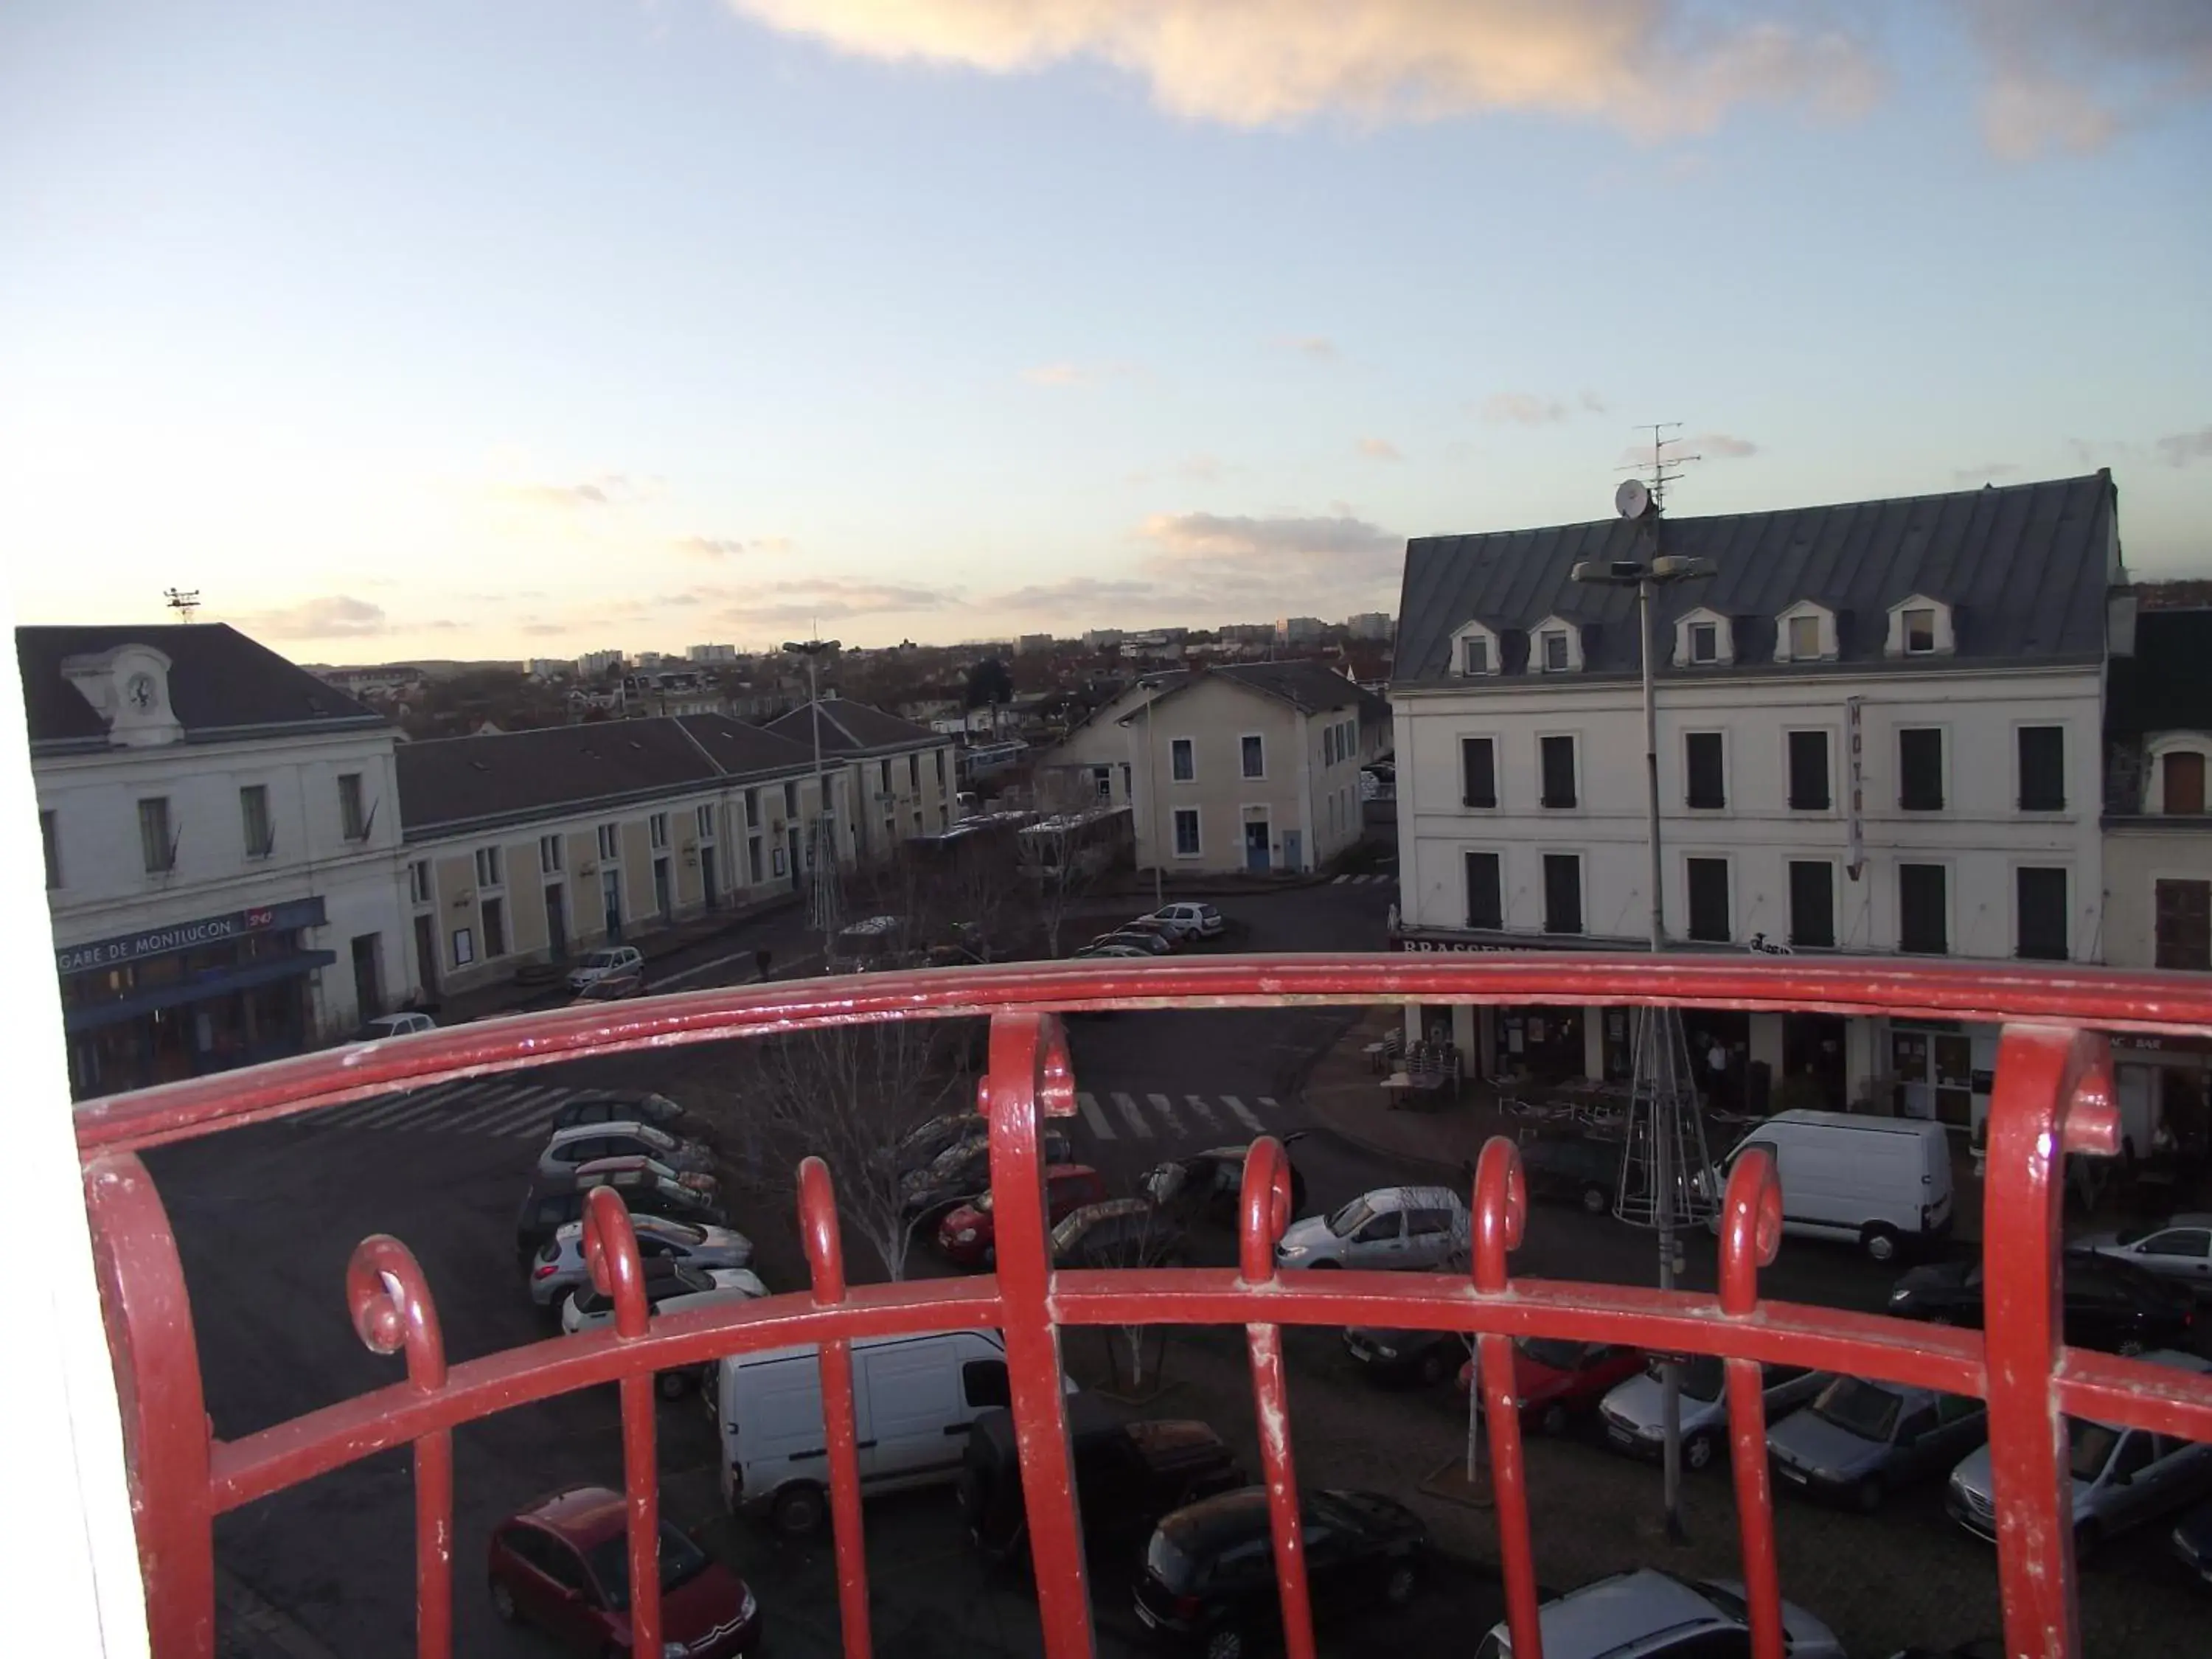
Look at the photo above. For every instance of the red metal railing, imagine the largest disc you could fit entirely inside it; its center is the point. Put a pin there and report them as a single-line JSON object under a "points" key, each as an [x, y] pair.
{"points": [[2052, 1096]]}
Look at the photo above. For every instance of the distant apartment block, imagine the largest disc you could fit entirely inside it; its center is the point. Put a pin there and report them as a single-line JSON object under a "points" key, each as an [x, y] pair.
{"points": [[549, 668], [1033, 645], [710, 653], [1298, 630], [597, 665], [1369, 625], [1097, 639]]}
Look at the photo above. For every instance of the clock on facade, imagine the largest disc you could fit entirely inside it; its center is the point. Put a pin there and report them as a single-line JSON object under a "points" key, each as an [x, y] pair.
{"points": [[141, 691]]}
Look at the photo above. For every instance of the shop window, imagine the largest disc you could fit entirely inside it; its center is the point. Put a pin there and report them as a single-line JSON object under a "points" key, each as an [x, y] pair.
{"points": [[1556, 756], [2184, 925], [1709, 900], [51, 848], [353, 819], [1920, 769], [1808, 767], [157, 842], [1477, 772], [1812, 902], [2182, 772], [1485, 899], [1702, 765], [2042, 768], [1922, 909], [1563, 893], [2041, 896], [494, 927]]}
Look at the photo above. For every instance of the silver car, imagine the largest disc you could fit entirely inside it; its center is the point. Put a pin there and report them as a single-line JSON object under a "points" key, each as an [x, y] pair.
{"points": [[2121, 1477], [1860, 1439], [558, 1268], [1650, 1614], [588, 1143], [1633, 1412], [2180, 1249], [1389, 1227]]}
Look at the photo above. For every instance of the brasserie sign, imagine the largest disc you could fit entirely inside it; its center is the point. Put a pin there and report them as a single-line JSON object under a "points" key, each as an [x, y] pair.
{"points": [[188, 935]]}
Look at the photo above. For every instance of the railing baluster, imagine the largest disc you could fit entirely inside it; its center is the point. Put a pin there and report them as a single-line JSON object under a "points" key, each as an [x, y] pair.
{"points": [[2053, 1096], [1029, 1077], [1751, 1236], [825, 1262], [390, 1302], [157, 1384], [1501, 1210], [1264, 1211], [610, 1252]]}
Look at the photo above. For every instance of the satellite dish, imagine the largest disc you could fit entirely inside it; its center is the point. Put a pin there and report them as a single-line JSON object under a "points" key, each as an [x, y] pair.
{"points": [[1632, 499]]}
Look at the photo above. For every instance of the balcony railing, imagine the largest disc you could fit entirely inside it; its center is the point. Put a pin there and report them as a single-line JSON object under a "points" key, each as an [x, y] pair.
{"points": [[2052, 1096]]}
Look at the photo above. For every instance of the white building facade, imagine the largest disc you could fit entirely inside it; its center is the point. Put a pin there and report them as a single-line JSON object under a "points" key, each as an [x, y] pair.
{"points": [[1878, 755]]}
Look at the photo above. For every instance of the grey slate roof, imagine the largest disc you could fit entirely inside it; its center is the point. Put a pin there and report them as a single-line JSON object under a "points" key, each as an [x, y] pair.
{"points": [[513, 776], [1308, 686], [221, 684], [2025, 569], [851, 728]]}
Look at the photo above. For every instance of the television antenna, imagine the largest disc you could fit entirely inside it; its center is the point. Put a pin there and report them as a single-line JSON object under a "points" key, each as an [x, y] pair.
{"points": [[1665, 469], [182, 600]]}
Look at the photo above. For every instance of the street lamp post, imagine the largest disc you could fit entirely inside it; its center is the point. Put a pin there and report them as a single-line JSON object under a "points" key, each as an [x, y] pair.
{"points": [[824, 837], [1658, 1044]]}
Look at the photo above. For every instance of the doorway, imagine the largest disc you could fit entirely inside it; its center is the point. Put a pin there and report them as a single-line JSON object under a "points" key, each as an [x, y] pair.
{"points": [[556, 921], [368, 980], [708, 896], [1292, 847], [1813, 1046], [1256, 845], [610, 899], [426, 954], [797, 874]]}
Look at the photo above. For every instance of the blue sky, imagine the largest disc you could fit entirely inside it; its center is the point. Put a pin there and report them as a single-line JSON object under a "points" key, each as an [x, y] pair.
{"points": [[522, 329]]}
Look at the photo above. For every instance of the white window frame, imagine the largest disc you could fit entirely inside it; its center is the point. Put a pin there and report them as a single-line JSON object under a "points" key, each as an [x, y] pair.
{"points": [[609, 842], [1942, 641], [1943, 771], [1685, 634], [463, 943], [1244, 776], [1197, 829], [1190, 748], [1488, 639], [1539, 658], [1582, 795], [656, 830], [421, 889], [491, 868], [1581, 890], [1824, 632], [1949, 867], [552, 854], [703, 820], [1829, 748], [1728, 865]]}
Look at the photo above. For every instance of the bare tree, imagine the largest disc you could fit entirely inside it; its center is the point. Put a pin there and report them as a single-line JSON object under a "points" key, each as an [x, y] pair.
{"points": [[1065, 851], [1129, 1233]]}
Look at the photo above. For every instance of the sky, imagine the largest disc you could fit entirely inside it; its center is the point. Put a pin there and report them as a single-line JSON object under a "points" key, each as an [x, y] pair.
{"points": [[520, 328]]}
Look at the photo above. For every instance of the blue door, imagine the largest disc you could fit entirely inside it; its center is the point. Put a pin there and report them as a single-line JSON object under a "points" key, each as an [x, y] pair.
{"points": [[1291, 848], [1256, 845]]}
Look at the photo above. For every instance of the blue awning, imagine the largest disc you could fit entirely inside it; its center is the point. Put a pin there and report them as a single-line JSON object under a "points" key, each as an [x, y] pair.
{"points": [[267, 971]]}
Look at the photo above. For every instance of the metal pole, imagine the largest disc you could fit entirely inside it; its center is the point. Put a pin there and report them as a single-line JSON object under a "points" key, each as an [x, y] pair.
{"points": [[820, 803], [1152, 790], [1659, 1032]]}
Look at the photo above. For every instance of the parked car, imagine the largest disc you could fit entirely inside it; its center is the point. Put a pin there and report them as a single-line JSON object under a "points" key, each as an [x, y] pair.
{"points": [[1152, 924], [1121, 1232], [1652, 1614], [2178, 1249], [1389, 1227], [549, 1206], [1423, 1357], [1556, 1382], [408, 1022], [670, 1287], [1127, 1476], [628, 1173], [558, 1266], [1209, 1576], [2192, 1539], [1211, 1183], [2121, 1477], [1883, 1183], [968, 1236], [615, 962], [1115, 949], [588, 1143], [1634, 1411], [1196, 919], [1858, 1439], [2106, 1303], [961, 1170], [1981, 1647], [927, 1139], [1150, 944], [563, 1565], [1574, 1170], [610, 1106]]}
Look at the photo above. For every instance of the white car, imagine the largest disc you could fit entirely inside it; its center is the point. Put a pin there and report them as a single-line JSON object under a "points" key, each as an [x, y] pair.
{"points": [[558, 1268], [407, 1023], [615, 962], [588, 1143], [586, 1310], [1389, 1227], [1650, 1614], [1196, 921]]}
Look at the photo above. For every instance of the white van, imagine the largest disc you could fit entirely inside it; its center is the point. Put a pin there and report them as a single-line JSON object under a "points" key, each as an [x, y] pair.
{"points": [[1879, 1181], [913, 1400]]}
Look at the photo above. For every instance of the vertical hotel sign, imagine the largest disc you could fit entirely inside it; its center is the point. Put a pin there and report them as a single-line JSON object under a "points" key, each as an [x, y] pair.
{"points": [[1855, 783]]}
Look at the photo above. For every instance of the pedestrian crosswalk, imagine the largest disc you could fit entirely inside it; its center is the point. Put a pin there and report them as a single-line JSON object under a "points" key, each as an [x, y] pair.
{"points": [[1357, 881], [475, 1106], [1115, 1115]]}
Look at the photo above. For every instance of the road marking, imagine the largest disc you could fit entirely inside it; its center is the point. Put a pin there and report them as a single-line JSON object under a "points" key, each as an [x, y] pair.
{"points": [[1268, 1104], [1243, 1114], [1094, 1117], [534, 1119], [1197, 1103], [1127, 1105], [381, 1114], [475, 1114], [661, 980], [1166, 1109], [498, 1117], [438, 1110], [1340, 881]]}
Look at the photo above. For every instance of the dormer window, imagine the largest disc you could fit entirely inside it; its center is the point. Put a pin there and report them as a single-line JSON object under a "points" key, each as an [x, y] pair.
{"points": [[1555, 650], [1920, 627], [1805, 632], [1475, 651], [1703, 638], [1555, 647]]}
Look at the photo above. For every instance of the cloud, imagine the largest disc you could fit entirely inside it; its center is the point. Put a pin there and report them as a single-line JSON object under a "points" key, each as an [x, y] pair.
{"points": [[1655, 68], [1983, 473], [1216, 559], [1202, 469], [1721, 447], [1074, 374], [1522, 409], [2185, 448], [803, 603], [1075, 594], [601, 489], [544, 630], [1595, 404], [1318, 347], [1378, 449], [333, 617], [2071, 76], [729, 547]]}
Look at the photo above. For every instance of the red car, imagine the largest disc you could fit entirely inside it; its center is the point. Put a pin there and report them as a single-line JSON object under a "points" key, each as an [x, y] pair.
{"points": [[1555, 1381], [966, 1236], [563, 1565]]}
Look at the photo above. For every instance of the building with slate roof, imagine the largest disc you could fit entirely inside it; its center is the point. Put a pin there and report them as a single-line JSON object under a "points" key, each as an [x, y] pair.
{"points": [[529, 847], [1880, 729], [1245, 767], [222, 837]]}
